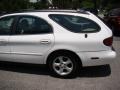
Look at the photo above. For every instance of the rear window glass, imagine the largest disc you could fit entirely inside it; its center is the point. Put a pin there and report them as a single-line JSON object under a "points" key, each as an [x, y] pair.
{"points": [[75, 23]]}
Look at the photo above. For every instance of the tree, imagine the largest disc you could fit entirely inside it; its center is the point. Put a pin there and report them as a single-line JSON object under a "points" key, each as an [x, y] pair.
{"points": [[41, 4], [13, 5], [62, 4], [105, 4]]}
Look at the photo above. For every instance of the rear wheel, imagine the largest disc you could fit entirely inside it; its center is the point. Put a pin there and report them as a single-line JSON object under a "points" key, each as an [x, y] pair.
{"points": [[63, 65]]}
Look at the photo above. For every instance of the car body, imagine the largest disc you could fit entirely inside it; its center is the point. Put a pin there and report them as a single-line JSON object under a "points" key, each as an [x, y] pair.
{"points": [[112, 18], [62, 39]]}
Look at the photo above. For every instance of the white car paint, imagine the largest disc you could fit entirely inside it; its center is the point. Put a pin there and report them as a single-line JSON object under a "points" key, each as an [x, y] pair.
{"points": [[37, 48]]}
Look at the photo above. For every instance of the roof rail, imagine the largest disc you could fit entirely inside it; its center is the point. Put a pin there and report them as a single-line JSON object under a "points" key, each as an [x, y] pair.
{"points": [[48, 10], [58, 10]]}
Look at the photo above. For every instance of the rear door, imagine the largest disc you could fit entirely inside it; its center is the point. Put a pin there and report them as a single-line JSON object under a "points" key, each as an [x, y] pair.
{"points": [[32, 38]]}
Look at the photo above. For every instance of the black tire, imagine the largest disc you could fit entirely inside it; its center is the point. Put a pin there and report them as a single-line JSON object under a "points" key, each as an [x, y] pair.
{"points": [[72, 58]]}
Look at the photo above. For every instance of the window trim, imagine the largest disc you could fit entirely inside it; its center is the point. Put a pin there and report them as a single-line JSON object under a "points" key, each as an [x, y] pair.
{"points": [[72, 30], [20, 16]]}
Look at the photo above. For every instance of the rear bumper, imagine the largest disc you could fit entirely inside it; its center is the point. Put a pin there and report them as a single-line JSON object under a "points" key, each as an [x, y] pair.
{"points": [[97, 58]]}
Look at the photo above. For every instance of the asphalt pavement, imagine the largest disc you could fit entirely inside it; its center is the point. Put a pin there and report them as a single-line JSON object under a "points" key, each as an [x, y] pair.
{"points": [[16, 76]]}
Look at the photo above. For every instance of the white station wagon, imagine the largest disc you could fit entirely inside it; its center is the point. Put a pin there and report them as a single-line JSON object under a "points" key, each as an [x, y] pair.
{"points": [[62, 39]]}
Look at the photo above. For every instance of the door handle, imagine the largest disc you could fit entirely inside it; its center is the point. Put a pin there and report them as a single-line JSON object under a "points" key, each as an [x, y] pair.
{"points": [[45, 41], [86, 35]]}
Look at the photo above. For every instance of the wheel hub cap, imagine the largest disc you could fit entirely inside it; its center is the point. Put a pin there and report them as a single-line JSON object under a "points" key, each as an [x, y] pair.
{"points": [[63, 65]]}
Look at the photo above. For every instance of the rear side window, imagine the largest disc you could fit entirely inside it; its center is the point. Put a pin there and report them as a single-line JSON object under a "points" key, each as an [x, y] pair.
{"points": [[75, 23]]}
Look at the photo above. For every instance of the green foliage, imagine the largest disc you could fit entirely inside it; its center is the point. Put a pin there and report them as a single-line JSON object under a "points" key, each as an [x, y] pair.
{"points": [[62, 3], [40, 5], [12, 5], [107, 5], [87, 4], [75, 3]]}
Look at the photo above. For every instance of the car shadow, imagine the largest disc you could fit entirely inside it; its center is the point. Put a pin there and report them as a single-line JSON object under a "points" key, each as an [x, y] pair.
{"points": [[24, 68], [96, 71]]}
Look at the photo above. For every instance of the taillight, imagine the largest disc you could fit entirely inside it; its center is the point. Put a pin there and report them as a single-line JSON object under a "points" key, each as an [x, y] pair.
{"points": [[108, 41]]}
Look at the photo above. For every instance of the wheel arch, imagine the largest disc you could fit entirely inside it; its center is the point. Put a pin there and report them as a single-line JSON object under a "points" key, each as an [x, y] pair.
{"points": [[78, 59]]}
